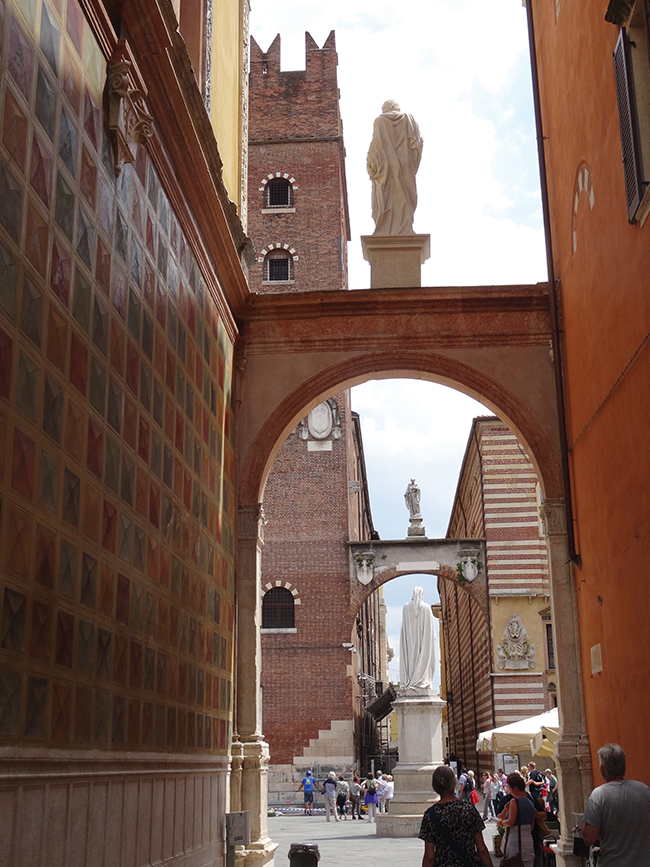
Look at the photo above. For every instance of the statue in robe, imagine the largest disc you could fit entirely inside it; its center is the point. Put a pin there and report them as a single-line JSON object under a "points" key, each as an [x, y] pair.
{"points": [[417, 644], [393, 160], [412, 499]]}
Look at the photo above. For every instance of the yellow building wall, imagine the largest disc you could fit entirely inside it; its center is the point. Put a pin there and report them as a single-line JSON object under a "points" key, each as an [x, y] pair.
{"points": [[226, 87]]}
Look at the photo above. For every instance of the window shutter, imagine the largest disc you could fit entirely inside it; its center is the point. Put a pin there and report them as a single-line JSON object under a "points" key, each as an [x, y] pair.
{"points": [[628, 125]]}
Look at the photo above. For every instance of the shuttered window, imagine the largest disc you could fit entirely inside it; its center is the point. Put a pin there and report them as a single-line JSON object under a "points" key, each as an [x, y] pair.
{"points": [[634, 187]]}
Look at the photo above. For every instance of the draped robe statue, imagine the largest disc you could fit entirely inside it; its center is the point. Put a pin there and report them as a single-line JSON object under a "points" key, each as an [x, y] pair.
{"points": [[393, 160], [417, 644]]}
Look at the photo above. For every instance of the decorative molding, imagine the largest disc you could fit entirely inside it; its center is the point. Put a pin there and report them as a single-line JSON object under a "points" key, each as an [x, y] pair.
{"points": [[287, 586], [277, 245], [553, 516], [273, 175], [130, 124], [365, 563], [515, 650], [251, 522], [322, 423]]}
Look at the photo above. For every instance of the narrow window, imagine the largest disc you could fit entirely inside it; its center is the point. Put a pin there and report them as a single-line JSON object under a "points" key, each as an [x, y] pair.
{"points": [[550, 652], [278, 609], [278, 194]]}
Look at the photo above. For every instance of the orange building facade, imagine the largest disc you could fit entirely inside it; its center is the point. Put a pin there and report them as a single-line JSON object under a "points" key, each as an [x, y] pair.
{"points": [[600, 256]]}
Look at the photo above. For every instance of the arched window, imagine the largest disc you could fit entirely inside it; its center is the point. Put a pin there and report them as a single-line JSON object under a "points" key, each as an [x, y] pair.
{"points": [[278, 266], [278, 609], [278, 193]]}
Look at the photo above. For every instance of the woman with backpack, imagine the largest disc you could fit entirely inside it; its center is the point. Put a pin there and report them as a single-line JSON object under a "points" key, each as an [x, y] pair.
{"points": [[371, 800]]}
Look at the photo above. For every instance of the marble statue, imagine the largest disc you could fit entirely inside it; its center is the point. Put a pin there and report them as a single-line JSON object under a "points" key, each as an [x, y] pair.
{"points": [[515, 651], [412, 499], [393, 160], [417, 657]]}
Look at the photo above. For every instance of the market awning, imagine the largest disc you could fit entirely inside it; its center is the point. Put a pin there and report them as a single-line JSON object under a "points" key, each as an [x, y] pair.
{"points": [[535, 734]]}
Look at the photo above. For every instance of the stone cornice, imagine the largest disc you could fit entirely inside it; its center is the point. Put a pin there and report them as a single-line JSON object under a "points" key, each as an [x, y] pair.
{"points": [[440, 316]]}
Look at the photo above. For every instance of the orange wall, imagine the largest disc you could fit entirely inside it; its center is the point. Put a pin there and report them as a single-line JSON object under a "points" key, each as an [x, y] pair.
{"points": [[605, 315]]}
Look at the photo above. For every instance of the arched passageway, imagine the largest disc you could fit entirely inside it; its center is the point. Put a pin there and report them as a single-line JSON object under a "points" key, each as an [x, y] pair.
{"points": [[492, 343]]}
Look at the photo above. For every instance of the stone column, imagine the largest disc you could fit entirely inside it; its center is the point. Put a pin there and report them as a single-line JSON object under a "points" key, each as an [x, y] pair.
{"points": [[571, 751], [253, 752]]}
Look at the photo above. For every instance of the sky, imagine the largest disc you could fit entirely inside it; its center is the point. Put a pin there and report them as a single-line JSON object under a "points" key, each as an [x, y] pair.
{"points": [[461, 68]]}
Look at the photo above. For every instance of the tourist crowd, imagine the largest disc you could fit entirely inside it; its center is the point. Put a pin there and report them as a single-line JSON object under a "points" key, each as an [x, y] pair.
{"points": [[358, 799]]}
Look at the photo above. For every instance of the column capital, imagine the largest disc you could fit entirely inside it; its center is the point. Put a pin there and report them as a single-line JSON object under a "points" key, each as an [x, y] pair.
{"points": [[553, 515], [251, 522]]}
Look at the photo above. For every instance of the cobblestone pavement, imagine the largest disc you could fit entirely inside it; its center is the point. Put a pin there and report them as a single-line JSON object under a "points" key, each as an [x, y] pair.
{"points": [[349, 843]]}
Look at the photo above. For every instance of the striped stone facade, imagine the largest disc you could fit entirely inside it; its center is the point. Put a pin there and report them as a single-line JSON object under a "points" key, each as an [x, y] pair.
{"points": [[490, 682]]}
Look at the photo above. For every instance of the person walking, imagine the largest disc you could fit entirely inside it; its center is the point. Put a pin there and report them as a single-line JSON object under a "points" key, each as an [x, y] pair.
{"points": [[382, 784], [552, 799], [329, 790], [519, 814], [496, 790], [370, 797], [618, 812], [342, 791], [452, 829], [487, 797], [355, 797], [307, 787], [390, 791]]}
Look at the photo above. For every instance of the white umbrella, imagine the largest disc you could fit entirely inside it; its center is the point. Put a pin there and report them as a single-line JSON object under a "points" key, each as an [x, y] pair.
{"points": [[525, 734]]}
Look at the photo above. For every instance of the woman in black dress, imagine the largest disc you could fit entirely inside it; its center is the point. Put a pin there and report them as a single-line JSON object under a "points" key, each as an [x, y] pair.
{"points": [[452, 829]]}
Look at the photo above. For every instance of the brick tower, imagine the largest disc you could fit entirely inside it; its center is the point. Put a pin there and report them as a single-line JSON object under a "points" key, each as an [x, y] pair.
{"points": [[298, 196], [320, 662]]}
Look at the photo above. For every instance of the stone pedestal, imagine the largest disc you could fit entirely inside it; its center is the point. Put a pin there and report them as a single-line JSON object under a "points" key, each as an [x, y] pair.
{"points": [[416, 528], [419, 726], [395, 260]]}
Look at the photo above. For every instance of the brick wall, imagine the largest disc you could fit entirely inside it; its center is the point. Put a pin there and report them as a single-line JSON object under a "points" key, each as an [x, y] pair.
{"points": [[296, 132]]}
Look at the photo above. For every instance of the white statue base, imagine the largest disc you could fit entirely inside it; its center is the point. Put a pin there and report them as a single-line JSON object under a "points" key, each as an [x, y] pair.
{"points": [[395, 260], [419, 728], [416, 528]]}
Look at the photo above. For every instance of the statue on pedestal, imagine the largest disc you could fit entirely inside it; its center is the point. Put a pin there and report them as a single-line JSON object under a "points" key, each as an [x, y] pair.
{"points": [[417, 644], [412, 500], [393, 161]]}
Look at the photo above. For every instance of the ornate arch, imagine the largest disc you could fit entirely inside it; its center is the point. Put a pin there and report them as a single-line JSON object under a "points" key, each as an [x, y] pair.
{"points": [[277, 245], [272, 175]]}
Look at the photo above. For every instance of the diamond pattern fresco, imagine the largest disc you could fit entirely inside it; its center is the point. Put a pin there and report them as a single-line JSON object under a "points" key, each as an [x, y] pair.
{"points": [[116, 533]]}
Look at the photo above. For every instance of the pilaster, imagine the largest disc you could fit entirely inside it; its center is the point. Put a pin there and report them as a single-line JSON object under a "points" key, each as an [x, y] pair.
{"points": [[250, 752], [571, 751]]}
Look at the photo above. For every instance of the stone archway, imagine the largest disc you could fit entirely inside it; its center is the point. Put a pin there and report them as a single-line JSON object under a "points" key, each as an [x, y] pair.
{"points": [[492, 343], [374, 563]]}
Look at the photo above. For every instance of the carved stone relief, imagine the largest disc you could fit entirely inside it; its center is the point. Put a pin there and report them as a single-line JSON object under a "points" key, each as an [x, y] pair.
{"points": [[365, 567], [129, 122], [515, 650], [322, 423]]}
